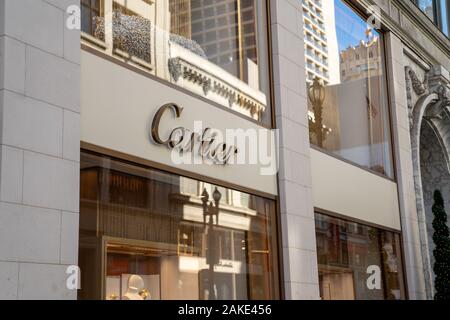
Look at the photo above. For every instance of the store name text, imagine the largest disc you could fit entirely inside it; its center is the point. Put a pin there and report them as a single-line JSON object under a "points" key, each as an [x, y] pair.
{"points": [[205, 143]]}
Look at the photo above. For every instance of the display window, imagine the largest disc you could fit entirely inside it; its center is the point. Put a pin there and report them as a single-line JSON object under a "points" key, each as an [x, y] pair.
{"points": [[348, 108], [149, 235], [358, 262], [218, 50]]}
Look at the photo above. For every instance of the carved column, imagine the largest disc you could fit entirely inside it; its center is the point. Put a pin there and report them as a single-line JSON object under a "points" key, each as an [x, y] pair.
{"points": [[432, 102]]}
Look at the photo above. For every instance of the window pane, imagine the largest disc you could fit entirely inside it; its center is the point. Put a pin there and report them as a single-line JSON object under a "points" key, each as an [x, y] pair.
{"points": [[224, 34], [438, 11], [131, 33], [427, 6], [445, 11], [86, 20], [91, 19], [348, 109], [348, 253], [150, 231], [216, 49]]}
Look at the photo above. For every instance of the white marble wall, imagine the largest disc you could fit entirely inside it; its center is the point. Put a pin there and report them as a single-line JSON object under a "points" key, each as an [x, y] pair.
{"points": [[301, 279], [39, 148], [405, 174]]}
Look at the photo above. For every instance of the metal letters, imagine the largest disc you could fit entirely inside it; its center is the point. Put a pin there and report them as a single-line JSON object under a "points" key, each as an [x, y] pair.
{"points": [[183, 139]]}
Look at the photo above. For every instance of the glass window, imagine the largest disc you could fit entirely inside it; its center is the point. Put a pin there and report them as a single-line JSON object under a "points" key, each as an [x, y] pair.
{"points": [[444, 11], [146, 235], [438, 11], [216, 49], [428, 7], [348, 108], [90, 14], [129, 39], [349, 252]]}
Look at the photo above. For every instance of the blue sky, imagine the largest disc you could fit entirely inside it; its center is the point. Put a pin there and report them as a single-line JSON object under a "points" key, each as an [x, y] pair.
{"points": [[351, 28]]}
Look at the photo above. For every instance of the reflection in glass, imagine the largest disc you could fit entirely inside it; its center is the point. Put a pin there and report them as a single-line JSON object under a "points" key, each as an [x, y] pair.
{"points": [[348, 251], [217, 49], [180, 240], [427, 6], [348, 109], [131, 33], [445, 17], [438, 11], [91, 11]]}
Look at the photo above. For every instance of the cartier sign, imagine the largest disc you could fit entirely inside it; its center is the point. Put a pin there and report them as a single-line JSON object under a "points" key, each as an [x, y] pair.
{"points": [[206, 143]]}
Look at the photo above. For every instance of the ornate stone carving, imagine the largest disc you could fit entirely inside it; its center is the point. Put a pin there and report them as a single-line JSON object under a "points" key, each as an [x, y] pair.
{"points": [[444, 94], [413, 85], [179, 68], [131, 33], [428, 103], [418, 86], [436, 82], [175, 68], [436, 111]]}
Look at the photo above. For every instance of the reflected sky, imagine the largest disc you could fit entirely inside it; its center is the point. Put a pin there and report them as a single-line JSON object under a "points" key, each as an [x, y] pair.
{"points": [[445, 13], [350, 28]]}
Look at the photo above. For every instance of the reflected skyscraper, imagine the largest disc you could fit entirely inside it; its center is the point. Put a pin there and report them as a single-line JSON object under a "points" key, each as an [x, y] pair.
{"points": [[227, 31], [180, 22], [321, 46]]}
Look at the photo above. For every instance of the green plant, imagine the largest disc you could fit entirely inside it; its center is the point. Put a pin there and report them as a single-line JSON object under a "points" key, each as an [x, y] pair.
{"points": [[441, 238]]}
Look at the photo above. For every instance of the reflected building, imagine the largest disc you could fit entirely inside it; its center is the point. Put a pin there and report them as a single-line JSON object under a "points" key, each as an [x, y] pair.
{"points": [[227, 31], [207, 47], [150, 224], [180, 22], [355, 91], [219, 60], [345, 250], [361, 61], [321, 46]]}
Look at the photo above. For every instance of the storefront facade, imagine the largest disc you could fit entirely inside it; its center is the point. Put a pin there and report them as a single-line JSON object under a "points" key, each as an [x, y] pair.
{"points": [[221, 249], [145, 222], [223, 149]]}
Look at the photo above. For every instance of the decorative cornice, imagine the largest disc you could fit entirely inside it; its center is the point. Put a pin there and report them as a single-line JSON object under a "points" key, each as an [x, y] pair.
{"points": [[180, 68], [424, 23], [417, 18]]}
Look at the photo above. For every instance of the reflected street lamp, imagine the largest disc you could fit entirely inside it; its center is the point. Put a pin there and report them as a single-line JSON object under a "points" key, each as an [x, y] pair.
{"points": [[211, 210], [316, 94]]}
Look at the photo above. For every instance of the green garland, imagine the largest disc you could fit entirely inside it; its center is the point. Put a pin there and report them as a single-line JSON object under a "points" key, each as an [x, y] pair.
{"points": [[441, 238]]}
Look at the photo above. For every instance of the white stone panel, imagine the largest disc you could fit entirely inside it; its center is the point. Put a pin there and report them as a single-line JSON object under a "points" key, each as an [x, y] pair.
{"points": [[32, 125], [11, 174], [50, 182], [29, 233], [43, 282], [52, 79]]}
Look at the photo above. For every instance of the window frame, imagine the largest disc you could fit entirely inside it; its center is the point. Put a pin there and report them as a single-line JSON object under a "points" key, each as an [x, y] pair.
{"points": [[104, 49], [361, 223], [437, 15], [440, 12], [91, 10], [277, 273], [357, 9]]}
